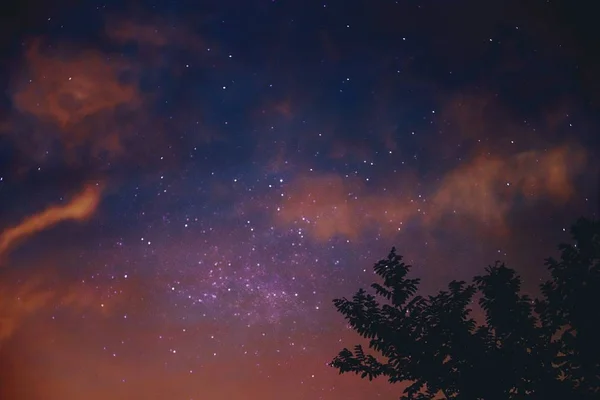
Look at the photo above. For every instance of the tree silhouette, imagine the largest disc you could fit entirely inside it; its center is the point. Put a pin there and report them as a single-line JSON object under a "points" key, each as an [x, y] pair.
{"points": [[536, 349]]}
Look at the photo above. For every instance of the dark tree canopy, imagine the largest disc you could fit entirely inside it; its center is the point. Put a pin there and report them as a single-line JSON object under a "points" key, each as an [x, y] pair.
{"points": [[544, 348]]}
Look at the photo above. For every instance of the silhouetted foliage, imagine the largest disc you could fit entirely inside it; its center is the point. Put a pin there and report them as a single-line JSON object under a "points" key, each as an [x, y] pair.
{"points": [[545, 348]]}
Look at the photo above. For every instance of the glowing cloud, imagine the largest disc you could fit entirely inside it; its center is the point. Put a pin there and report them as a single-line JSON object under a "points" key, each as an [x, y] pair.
{"points": [[485, 190], [76, 98], [81, 207], [41, 290]]}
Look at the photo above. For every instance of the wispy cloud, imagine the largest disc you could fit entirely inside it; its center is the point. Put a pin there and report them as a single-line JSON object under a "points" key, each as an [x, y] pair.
{"points": [[81, 207]]}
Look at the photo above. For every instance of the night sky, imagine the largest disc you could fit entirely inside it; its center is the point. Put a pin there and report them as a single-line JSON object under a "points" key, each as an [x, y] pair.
{"points": [[186, 185]]}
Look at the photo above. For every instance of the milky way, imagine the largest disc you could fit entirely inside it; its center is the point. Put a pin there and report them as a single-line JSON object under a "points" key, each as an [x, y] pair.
{"points": [[184, 189]]}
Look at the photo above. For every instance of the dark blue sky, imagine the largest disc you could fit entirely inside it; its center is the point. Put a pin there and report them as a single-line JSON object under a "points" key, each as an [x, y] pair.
{"points": [[184, 188]]}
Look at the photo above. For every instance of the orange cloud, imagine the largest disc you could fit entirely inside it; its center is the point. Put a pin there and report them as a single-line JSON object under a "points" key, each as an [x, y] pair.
{"points": [[81, 207], [158, 33], [69, 89], [126, 31], [152, 38], [484, 190], [22, 299], [330, 205], [90, 102], [65, 91], [488, 187]]}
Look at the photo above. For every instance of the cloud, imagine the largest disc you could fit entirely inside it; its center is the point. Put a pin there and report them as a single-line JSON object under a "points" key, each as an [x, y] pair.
{"points": [[484, 190], [82, 105], [78, 98], [157, 33], [81, 207], [160, 44], [22, 298], [330, 204], [488, 187], [68, 89], [127, 31]]}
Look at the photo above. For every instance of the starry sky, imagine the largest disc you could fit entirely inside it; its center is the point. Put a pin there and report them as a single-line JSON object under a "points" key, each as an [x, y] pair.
{"points": [[185, 186]]}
